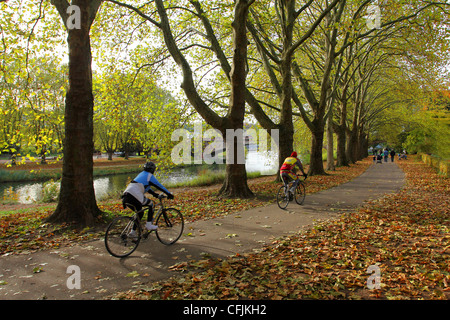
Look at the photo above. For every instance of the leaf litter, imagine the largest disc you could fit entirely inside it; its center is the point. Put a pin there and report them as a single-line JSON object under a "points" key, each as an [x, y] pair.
{"points": [[405, 234]]}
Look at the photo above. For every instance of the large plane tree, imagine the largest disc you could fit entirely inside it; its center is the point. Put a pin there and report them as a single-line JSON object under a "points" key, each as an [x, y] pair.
{"points": [[77, 201]]}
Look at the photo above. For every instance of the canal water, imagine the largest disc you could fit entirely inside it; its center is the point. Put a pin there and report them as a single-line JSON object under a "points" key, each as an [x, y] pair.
{"points": [[31, 192]]}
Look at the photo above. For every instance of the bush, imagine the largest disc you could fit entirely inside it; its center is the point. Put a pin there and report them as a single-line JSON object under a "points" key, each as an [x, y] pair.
{"points": [[441, 165], [50, 191]]}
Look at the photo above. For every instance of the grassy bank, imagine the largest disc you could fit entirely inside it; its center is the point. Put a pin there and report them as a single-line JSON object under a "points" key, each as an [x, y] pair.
{"points": [[43, 172]]}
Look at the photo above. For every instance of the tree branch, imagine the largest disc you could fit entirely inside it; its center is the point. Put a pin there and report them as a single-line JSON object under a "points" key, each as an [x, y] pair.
{"points": [[138, 11]]}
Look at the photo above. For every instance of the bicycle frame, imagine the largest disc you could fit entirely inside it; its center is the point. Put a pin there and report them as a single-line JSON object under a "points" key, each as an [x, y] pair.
{"points": [[285, 196], [135, 215], [120, 244], [290, 183], [146, 208]]}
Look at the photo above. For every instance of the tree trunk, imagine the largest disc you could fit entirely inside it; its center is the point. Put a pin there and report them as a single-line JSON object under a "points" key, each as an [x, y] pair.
{"points": [[234, 186], [348, 145], [330, 144], [353, 144], [235, 183], [353, 133], [286, 125], [285, 145], [76, 202], [341, 141], [316, 161], [341, 134], [363, 146]]}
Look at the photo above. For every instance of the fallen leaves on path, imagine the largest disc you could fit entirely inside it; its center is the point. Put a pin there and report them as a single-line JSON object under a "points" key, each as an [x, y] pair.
{"points": [[404, 235], [26, 231], [202, 204]]}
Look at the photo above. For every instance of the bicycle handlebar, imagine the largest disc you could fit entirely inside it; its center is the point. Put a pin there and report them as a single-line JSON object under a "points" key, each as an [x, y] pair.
{"points": [[160, 197], [301, 175]]}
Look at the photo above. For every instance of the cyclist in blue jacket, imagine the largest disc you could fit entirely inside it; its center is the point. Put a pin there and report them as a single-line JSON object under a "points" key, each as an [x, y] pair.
{"points": [[134, 194]]}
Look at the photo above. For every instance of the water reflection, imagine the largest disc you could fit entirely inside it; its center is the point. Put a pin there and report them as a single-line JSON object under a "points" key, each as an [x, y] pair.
{"points": [[23, 193], [266, 163], [26, 193]]}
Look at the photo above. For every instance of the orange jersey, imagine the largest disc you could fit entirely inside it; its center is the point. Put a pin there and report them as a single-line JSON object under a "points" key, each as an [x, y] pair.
{"points": [[289, 164]]}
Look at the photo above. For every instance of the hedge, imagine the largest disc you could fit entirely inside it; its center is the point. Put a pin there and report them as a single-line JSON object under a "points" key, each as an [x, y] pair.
{"points": [[443, 166]]}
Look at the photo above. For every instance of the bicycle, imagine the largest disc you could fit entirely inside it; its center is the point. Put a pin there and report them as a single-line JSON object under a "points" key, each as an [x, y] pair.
{"points": [[285, 195], [120, 243]]}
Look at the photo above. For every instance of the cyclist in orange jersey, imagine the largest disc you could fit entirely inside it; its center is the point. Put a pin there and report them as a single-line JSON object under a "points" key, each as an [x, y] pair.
{"points": [[288, 170]]}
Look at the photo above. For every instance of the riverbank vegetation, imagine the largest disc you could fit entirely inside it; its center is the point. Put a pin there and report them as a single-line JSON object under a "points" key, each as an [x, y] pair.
{"points": [[32, 171]]}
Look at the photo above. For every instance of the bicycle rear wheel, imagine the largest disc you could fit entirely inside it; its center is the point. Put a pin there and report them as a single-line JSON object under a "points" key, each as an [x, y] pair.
{"points": [[118, 241], [300, 193], [170, 224], [282, 197]]}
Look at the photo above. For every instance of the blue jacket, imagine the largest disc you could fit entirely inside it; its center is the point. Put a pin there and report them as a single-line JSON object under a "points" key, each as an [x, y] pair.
{"points": [[142, 184], [149, 180]]}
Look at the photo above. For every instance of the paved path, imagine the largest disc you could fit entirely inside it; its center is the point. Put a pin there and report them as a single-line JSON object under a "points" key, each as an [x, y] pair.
{"points": [[102, 274]]}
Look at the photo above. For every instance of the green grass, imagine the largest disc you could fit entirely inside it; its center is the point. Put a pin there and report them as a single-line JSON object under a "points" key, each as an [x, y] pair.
{"points": [[27, 175], [55, 174], [28, 210]]}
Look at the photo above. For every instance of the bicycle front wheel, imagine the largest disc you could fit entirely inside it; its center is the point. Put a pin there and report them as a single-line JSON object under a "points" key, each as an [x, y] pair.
{"points": [[300, 193], [170, 224], [282, 197], [119, 240]]}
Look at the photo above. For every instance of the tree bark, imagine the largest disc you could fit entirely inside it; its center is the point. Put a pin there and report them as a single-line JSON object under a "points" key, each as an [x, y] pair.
{"points": [[348, 145], [351, 146], [330, 144], [76, 202], [235, 183], [341, 141], [340, 130], [316, 160]]}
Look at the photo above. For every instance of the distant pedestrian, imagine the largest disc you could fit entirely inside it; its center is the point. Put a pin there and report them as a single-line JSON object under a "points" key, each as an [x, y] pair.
{"points": [[402, 155], [392, 155], [379, 157], [386, 154]]}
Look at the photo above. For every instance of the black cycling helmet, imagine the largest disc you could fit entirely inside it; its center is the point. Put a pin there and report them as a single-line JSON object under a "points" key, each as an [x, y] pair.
{"points": [[150, 167]]}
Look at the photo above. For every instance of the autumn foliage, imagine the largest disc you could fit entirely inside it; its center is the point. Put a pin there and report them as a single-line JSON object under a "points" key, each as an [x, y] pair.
{"points": [[405, 234]]}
